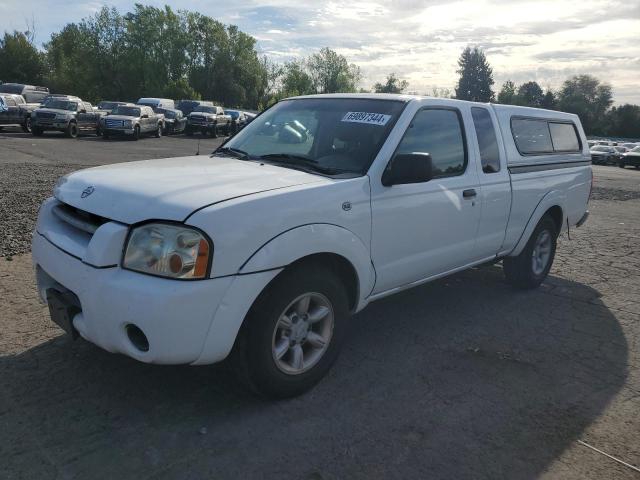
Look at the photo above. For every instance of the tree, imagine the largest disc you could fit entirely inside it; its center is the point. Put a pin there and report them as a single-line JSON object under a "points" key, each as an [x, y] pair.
{"points": [[296, 80], [20, 61], [585, 96], [530, 94], [507, 94], [392, 85], [549, 101], [623, 121], [476, 76], [331, 73]]}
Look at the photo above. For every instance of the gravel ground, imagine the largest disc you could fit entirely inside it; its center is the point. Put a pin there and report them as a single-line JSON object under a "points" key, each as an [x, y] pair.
{"points": [[461, 378]]}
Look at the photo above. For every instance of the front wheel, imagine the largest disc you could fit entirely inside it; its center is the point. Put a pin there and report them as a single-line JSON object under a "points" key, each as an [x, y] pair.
{"points": [[531, 267], [159, 131], [26, 126], [72, 130], [620, 165], [136, 133], [36, 131], [293, 333]]}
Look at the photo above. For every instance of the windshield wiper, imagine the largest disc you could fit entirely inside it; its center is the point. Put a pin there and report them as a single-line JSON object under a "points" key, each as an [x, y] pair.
{"points": [[293, 160], [235, 152]]}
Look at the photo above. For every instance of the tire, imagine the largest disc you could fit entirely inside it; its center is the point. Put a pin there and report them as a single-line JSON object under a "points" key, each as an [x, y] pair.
{"points": [[72, 130], [158, 131], [525, 271], [98, 132], [254, 354], [188, 132], [105, 136], [36, 131], [620, 165], [26, 126], [136, 133], [214, 131]]}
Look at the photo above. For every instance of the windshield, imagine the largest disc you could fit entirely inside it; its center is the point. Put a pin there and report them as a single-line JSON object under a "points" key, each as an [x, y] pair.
{"points": [[636, 149], [127, 111], [233, 113], [602, 149], [107, 105], [61, 104], [340, 134], [167, 113], [205, 109]]}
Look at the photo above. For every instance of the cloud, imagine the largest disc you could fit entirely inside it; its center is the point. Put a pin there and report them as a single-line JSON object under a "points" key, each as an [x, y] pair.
{"points": [[420, 40]]}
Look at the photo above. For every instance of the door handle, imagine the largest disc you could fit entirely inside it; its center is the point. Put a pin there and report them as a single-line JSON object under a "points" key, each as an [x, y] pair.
{"points": [[470, 193]]}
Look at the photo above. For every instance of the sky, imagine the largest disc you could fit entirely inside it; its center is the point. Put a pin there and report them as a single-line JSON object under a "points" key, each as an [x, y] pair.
{"points": [[420, 40]]}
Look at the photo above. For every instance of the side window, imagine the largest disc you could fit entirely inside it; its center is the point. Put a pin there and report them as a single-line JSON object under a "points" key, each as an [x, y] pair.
{"points": [[487, 141], [531, 136], [437, 132], [88, 107], [10, 102], [564, 137]]}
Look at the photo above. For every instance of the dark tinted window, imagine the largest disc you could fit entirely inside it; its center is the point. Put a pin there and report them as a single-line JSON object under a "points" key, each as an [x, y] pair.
{"points": [[487, 141], [439, 133], [531, 136], [564, 137], [11, 88]]}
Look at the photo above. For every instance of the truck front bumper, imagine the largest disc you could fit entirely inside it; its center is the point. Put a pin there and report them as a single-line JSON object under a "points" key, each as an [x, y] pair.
{"points": [[184, 322], [118, 131]]}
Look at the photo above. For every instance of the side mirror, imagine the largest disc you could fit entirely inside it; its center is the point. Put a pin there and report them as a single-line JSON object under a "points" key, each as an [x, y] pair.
{"points": [[83, 111], [408, 168], [144, 115]]}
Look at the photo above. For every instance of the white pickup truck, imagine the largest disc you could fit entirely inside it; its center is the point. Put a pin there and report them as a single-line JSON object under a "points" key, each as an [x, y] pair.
{"points": [[319, 206]]}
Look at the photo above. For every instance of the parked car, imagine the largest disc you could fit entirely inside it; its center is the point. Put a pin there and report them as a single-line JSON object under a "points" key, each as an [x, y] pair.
{"points": [[264, 250], [157, 103], [238, 120], [107, 106], [631, 158], [174, 120], [30, 93], [603, 154], [133, 121], [187, 106], [67, 114], [630, 145], [15, 111], [208, 120]]}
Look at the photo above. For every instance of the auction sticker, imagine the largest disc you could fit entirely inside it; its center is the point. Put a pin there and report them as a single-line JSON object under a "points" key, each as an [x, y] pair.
{"points": [[366, 117]]}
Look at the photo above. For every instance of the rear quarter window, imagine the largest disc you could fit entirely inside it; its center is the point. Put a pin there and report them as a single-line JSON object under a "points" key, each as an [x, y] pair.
{"points": [[564, 137], [531, 136]]}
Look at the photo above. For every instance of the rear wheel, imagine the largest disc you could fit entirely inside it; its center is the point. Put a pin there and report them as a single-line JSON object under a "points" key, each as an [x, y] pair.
{"points": [[531, 267], [105, 136], [293, 332], [620, 164], [37, 131], [72, 130]]}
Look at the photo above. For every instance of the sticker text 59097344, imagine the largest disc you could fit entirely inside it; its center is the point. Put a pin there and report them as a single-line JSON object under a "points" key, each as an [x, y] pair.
{"points": [[366, 117]]}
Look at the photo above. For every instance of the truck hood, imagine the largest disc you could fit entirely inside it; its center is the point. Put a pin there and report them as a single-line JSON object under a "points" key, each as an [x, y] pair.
{"points": [[120, 117], [171, 188], [55, 110]]}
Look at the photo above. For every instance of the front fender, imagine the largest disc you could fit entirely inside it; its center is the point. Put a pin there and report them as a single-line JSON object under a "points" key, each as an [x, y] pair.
{"points": [[550, 199], [306, 240]]}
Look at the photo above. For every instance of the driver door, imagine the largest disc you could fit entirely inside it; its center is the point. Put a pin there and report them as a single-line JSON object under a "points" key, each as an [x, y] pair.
{"points": [[424, 229]]}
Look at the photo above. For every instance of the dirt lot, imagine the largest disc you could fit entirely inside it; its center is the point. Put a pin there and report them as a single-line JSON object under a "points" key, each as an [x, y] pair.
{"points": [[461, 378]]}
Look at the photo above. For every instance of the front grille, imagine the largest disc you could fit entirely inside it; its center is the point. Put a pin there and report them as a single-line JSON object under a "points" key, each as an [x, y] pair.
{"points": [[114, 123], [78, 219], [45, 115], [198, 120]]}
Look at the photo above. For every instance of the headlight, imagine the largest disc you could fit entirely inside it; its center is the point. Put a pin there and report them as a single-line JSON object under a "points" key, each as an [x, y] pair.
{"points": [[127, 123], [61, 116], [166, 250], [210, 119]]}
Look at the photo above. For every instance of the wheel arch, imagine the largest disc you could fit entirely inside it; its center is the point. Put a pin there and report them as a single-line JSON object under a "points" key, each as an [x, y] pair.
{"points": [[326, 244], [551, 204]]}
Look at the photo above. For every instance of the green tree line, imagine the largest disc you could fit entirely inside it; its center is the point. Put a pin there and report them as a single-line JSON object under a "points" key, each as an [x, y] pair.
{"points": [[159, 52]]}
